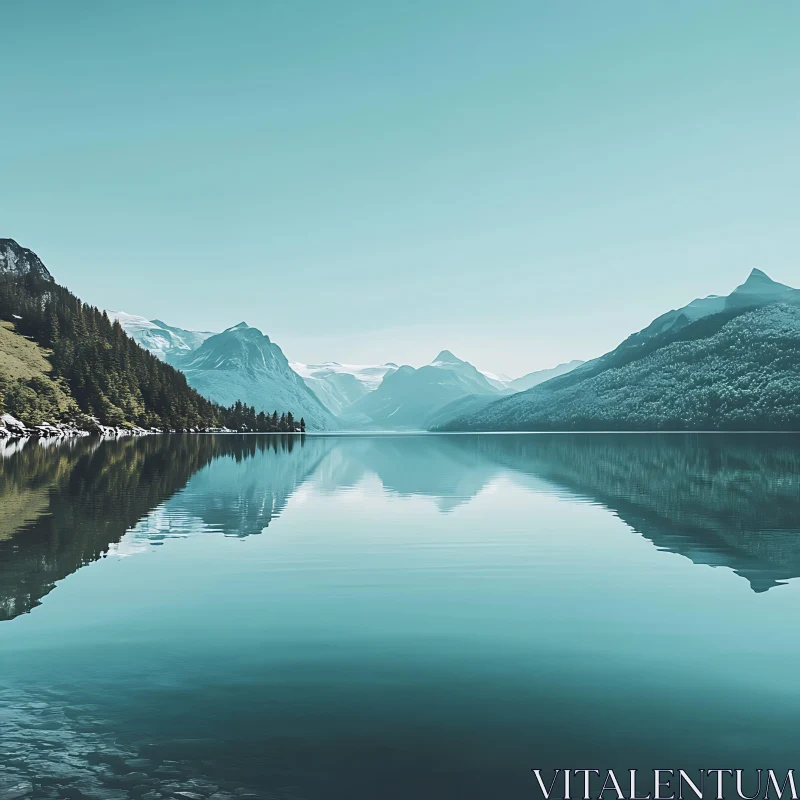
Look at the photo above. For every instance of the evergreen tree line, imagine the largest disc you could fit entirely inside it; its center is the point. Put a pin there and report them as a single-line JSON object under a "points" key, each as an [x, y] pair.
{"points": [[240, 416], [108, 374]]}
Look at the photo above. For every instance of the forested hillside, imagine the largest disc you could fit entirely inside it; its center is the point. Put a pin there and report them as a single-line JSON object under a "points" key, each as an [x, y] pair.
{"points": [[736, 370], [96, 364]]}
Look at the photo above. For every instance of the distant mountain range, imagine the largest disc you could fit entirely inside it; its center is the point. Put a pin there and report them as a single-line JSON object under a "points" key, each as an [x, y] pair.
{"points": [[338, 386], [408, 398], [728, 362], [242, 363], [720, 362]]}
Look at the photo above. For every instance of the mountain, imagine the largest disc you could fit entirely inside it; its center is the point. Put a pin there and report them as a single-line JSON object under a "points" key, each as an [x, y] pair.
{"points": [[265, 382], [19, 261], [408, 398], [465, 406], [473, 403], [241, 363], [338, 386], [540, 376], [498, 380], [163, 341], [758, 290], [736, 369]]}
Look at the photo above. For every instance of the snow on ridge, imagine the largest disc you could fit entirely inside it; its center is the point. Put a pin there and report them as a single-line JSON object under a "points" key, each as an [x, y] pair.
{"points": [[160, 339], [303, 370], [492, 376], [369, 374], [131, 320]]}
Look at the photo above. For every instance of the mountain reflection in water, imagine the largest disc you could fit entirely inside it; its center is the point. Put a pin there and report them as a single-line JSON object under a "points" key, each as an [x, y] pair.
{"points": [[722, 500], [355, 617], [65, 504]]}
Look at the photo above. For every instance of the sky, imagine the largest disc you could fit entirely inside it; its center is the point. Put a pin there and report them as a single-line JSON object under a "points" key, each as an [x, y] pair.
{"points": [[522, 183]]}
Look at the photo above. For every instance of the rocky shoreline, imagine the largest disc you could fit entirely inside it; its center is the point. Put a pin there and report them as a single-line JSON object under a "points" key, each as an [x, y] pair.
{"points": [[12, 428]]}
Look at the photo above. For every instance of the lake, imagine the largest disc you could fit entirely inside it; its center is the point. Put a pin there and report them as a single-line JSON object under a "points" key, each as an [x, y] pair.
{"points": [[393, 616]]}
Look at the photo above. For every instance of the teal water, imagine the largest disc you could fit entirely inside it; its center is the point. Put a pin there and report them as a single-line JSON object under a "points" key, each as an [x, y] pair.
{"points": [[393, 617]]}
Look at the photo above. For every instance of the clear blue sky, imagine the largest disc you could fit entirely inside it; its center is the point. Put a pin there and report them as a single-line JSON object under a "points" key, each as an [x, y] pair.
{"points": [[520, 182]]}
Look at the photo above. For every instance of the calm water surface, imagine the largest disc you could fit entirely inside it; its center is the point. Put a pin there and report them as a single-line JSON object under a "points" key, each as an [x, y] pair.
{"points": [[393, 617]]}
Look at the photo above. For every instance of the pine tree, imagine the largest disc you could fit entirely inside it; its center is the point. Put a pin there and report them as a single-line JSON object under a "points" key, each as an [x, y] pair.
{"points": [[51, 329]]}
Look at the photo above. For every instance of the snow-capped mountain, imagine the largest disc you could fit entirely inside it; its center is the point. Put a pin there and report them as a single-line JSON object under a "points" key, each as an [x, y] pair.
{"points": [[407, 398], [340, 386], [337, 385], [245, 365], [163, 341], [241, 363]]}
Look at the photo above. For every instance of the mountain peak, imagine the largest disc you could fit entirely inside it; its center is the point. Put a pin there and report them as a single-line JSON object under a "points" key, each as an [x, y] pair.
{"points": [[245, 333], [758, 282], [757, 275], [446, 357]]}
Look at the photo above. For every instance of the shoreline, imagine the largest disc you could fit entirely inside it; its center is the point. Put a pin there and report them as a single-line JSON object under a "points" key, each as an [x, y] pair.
{"points": [[12, 429]]}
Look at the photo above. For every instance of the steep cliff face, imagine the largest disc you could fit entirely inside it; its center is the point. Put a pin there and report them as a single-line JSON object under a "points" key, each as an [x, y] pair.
{"points": [[17, 260]]}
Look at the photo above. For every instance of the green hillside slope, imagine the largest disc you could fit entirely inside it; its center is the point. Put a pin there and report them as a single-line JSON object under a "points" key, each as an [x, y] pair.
{"points": [[28, 390]]}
